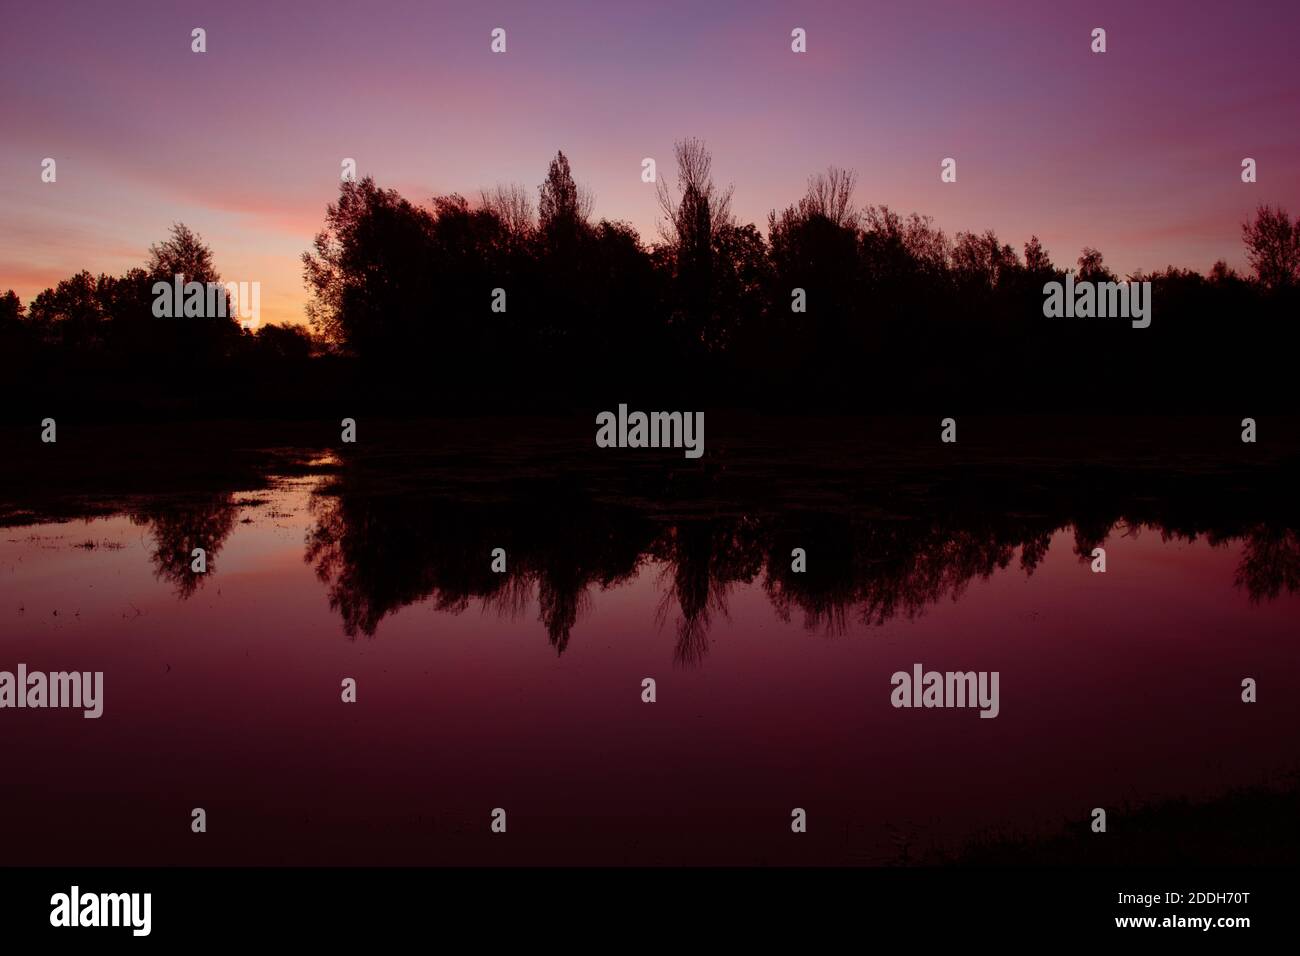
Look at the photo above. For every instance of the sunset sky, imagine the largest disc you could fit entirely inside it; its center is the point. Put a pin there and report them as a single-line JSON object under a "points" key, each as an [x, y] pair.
{"points": [[1136, 151]]}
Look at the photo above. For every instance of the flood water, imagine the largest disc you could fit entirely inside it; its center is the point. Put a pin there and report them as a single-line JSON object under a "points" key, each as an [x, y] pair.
{"points": [[522, 690]]}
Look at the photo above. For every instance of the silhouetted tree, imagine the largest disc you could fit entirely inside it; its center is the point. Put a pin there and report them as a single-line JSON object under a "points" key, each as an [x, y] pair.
{"points": [[72, 313], [1092, 268], [830, 196], [563, 207], [189, 339], [11, 308], [512, 205], [1037, 261], [814, 247], [1273, 247], [369, 277], [903, 253], [282, 342], [694, 220], [980, 263], [1221, 273], [16, 335], [184, 253]]}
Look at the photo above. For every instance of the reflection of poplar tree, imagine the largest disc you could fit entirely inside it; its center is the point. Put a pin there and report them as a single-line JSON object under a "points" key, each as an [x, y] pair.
{"points": [[1270, 562], [178, 531]]}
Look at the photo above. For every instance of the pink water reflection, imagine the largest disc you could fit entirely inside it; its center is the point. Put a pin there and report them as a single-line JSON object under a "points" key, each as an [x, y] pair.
{"points": [[1116, 687]]}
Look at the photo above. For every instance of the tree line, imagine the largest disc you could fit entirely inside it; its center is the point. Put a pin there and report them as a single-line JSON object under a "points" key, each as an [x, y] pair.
{"points": [[513, 296]]}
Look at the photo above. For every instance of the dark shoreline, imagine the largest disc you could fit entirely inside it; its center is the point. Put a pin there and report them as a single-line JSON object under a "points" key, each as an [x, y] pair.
{"points": [[813, 455]]}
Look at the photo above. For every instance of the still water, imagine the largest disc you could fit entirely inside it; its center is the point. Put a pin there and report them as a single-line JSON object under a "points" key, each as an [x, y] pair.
{"points": [[522, 690]]}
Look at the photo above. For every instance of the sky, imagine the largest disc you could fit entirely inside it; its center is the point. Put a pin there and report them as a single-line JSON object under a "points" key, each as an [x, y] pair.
{"points": [[1136, 151]]}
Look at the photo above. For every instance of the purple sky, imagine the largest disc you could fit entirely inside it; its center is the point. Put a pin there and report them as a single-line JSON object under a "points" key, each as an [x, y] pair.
{"points": [[1136, 151]]}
